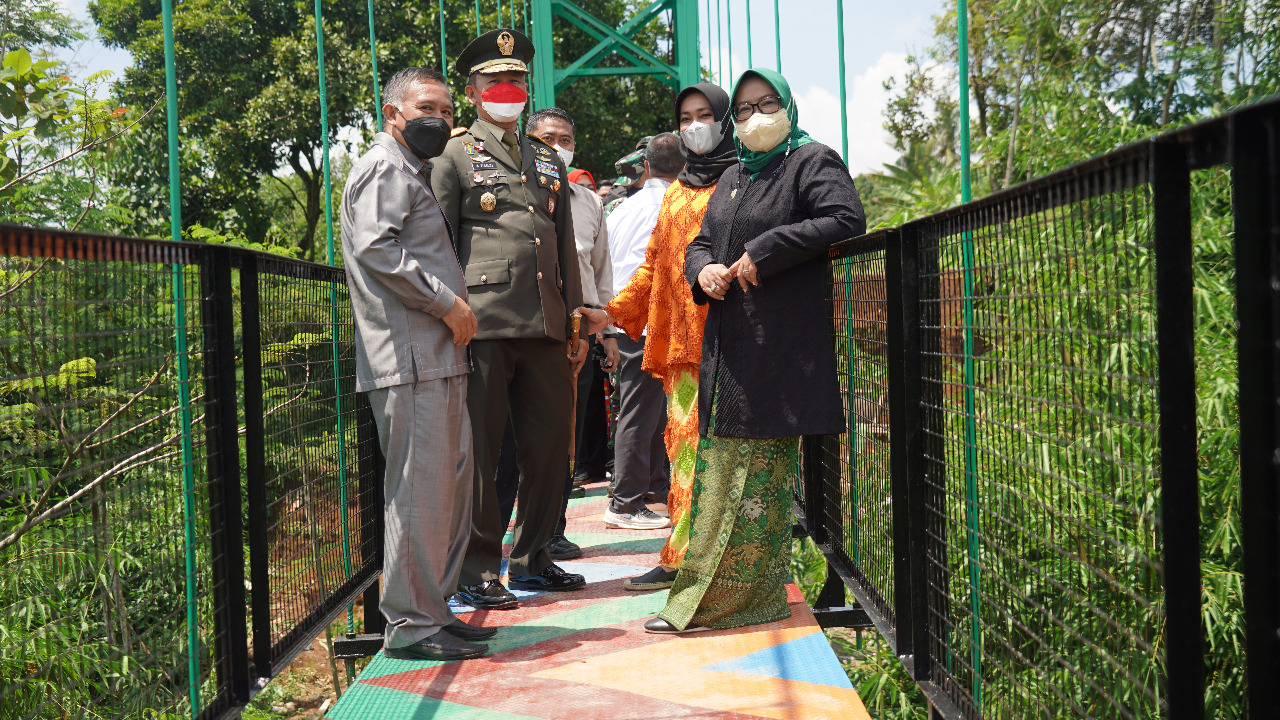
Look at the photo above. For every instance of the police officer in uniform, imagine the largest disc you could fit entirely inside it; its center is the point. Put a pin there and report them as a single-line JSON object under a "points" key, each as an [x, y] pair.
{"points": [[506, 196]]}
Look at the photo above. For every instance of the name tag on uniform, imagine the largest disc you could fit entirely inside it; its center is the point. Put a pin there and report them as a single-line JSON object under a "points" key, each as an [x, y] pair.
{"points": [[478, 165]]}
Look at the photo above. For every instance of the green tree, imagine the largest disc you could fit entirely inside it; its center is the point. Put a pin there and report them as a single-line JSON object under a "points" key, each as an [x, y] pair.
{"points": [[36, 25], [249, 101]]}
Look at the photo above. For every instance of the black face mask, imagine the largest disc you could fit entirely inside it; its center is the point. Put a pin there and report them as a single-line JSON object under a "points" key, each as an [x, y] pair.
{"points": [[426, 136]]}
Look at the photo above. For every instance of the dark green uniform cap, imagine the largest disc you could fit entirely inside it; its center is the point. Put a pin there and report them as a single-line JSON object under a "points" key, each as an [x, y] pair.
{"points": [[499, 50], [631, 166]]}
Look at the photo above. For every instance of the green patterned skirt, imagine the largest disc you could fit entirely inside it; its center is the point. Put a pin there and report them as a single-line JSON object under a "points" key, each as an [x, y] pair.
{"points": [[735, 569]]}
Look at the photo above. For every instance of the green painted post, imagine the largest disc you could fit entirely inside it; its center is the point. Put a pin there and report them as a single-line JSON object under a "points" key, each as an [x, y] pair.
{"points": [[444, 54], [477, 3], [750, 62], [970, 432], [544, 61], [180, 348], [688, 54], [499, 14], [777, 35], [373, 56], [844, 109], [333, 305]]}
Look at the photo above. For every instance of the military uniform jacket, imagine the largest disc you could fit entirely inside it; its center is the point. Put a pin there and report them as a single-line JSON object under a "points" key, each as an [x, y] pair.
{"points": [[513, 233]]}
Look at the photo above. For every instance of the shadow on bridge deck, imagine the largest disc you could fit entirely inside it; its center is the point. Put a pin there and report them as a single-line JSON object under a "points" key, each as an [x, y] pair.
{"points": [[585, 655]]}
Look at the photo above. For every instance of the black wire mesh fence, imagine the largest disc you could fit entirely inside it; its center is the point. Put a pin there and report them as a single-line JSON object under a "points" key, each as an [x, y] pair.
{"points": [[1017, 503], [856, 480], [122, 505], [318, 515], [1041, 452]]}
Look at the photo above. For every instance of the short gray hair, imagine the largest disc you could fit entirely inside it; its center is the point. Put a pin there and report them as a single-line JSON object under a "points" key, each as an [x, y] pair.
{"points": [[398, 86]]}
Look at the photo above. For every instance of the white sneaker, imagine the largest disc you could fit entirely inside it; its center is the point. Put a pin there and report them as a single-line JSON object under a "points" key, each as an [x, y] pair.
{"points": [[645, 519]]}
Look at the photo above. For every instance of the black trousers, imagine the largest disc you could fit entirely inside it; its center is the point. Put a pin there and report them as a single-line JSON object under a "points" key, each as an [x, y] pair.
{"points": [[591, 439], [528, 385]]}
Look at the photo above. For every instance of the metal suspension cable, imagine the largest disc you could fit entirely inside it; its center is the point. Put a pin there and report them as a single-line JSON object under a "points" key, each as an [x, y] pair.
{"points": [[719, 47], [444, 69], [777, 35], [180, 348], [750, 62], [844, 110], [728, 26], [709, 45], [333, 302], [970, 432], [373, 57]]}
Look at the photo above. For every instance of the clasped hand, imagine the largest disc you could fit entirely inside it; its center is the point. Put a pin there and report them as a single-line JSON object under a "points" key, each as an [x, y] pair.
{"points": [[716, 278]]}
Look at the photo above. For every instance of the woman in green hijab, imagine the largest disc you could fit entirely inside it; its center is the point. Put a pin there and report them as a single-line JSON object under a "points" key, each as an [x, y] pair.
{"points": [[768, 372]]}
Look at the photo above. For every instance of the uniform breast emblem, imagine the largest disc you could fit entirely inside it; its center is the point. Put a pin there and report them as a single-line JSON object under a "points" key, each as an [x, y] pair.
{"points": [[551, 205], [488, 202], [477, 179], [555, 185], [468, 148], [542, 179]]}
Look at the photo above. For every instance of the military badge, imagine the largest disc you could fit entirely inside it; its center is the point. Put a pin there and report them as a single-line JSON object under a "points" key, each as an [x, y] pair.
{"points": [[542, 179], [542, 151], [551, 205], [479, 145], [488, 202], [477, 179], [506, 43], [468, 148], [555, 185]]}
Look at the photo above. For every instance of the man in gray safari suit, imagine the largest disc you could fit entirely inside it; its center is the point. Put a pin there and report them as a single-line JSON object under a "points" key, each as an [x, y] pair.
{"points": [[412, 329]]}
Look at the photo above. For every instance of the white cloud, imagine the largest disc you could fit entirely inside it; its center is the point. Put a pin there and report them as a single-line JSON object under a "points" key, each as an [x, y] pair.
{"points": [[870, 146]]}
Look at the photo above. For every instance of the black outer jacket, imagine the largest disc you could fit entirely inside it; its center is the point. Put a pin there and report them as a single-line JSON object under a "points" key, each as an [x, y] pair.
{"points": [[769, 349]]}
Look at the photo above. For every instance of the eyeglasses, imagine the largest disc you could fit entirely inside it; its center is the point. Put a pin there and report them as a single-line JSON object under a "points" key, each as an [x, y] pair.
{"points": [[769, 104]]}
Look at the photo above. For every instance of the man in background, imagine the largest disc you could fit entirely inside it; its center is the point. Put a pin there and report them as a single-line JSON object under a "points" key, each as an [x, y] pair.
{"points": [[555, 127], [640, 454]]}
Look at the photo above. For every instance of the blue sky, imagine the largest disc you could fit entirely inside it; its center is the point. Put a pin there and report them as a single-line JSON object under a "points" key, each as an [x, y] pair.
{"points": [[878, 38]]}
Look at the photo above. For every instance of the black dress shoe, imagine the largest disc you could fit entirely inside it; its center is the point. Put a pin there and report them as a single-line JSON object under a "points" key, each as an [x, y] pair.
{"points": [[561, 549], [441, 646], [553, 579], [488, 595], [466, 631], [577, 492]]}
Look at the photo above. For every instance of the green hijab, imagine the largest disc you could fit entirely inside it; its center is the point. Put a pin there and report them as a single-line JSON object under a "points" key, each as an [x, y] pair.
{"points": [[757, 161]]}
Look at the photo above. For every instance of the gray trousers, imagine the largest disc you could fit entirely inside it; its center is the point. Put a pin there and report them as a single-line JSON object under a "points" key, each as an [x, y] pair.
{"points": [[425, 433], [639, 454]]}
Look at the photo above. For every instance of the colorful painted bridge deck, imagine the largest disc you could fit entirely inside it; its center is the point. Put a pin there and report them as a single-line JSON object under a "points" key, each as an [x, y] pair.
{"points": [[585, 655]]}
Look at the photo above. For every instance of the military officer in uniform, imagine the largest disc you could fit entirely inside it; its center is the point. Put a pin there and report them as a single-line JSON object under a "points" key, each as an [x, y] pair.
{"points": [[506, 196]]}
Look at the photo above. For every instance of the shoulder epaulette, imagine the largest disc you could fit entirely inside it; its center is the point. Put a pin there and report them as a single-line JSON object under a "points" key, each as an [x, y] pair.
{"points": [[458, 131], [531, 136]]}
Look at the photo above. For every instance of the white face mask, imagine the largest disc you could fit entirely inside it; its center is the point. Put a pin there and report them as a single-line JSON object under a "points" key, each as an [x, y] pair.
{"points": [[702, 138], [761, 132], [565, 155]]}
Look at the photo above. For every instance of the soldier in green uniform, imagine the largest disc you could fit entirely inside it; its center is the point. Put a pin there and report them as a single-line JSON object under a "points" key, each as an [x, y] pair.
{"points": [[506, 197]]}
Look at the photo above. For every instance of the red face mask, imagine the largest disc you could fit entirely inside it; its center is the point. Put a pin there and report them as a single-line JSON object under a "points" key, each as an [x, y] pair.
{"points": [[504, 102]]}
